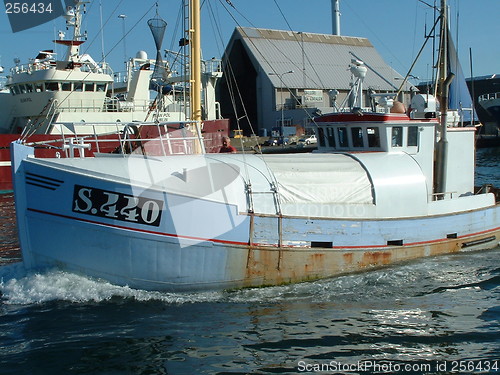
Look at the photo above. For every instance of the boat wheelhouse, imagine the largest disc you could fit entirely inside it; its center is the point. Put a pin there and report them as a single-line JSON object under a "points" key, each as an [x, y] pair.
{"points": [[397, 133]]}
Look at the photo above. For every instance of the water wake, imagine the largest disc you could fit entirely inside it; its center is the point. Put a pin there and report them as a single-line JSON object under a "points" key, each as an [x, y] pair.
{"points": [[18, 287]]}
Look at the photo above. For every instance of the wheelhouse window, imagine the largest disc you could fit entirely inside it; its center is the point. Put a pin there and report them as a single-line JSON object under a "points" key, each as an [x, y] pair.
{"points": [[89, 87], [321, 135], [66, 86], [357, 137], [412, 136], [29, 87], [51, 86], [397, 136], [100, 87], [331, 137], [22, 89], [39, 87], [15, 89], [373, 137], [342, 134], [78, 86]]}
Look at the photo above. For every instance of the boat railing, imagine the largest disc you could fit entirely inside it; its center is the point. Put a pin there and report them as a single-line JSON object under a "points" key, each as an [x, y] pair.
{"points": [[444, 195], [104, 105], [85, 66], [148, 138]]}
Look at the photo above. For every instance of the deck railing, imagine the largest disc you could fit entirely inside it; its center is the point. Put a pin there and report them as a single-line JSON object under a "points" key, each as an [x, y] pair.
{"points": [[149, 139]]}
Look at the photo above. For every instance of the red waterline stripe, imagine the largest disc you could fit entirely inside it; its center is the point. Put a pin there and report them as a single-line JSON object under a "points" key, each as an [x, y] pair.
{"points": [[246, 243]]}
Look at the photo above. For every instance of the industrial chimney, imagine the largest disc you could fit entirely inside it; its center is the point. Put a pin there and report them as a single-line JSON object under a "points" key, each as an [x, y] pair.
{"points": [[335, 17]]}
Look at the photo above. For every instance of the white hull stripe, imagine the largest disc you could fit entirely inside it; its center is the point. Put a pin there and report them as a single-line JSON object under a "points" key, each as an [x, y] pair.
{"points": [[5, 164]]}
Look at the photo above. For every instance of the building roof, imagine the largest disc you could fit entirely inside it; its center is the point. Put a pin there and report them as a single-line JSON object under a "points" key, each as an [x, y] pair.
{"points": [[318, 61]]}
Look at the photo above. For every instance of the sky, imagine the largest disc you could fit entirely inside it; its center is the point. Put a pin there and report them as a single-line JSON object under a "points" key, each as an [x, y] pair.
{"points": [[395, 27]]}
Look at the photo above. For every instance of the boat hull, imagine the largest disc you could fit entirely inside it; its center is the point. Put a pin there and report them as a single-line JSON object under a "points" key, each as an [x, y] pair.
{"points": [[173, 241], [156, 262], [492, 106], [159, 261]]}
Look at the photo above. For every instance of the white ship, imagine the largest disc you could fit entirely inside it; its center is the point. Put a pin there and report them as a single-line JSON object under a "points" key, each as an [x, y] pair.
{"points": [[50, 99]]}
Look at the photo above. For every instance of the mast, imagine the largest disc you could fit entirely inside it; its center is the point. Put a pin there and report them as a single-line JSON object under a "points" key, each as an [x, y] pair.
{"points": [[195, 60], [444, 81]]}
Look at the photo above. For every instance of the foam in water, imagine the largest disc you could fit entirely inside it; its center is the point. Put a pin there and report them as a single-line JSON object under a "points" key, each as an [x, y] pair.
{"points": [[19, 287]]}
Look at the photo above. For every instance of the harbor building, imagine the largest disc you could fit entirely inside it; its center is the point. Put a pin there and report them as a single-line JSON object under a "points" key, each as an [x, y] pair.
{"points": [[286, 78]]}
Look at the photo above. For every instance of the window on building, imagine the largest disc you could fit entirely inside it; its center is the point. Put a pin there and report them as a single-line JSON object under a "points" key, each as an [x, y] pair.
{"points": [[357, 137], [342, 134], [397, 136], [373, 137], [286, 122], [412, 136]]}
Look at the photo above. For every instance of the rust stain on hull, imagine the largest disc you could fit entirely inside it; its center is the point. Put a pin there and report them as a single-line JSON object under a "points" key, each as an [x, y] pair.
{"points": [[268, 265], [376, 258]]}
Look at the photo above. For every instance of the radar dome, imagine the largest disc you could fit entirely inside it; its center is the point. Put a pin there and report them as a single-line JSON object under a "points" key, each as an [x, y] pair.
{"points": [[141, 55]]}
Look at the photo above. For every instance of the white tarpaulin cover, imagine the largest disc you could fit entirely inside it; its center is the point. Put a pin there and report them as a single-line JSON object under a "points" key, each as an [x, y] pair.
{"points": [[320, 178]]}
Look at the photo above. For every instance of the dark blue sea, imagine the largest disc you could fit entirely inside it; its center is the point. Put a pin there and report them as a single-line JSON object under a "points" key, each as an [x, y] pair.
{"points": [[433, 316]]}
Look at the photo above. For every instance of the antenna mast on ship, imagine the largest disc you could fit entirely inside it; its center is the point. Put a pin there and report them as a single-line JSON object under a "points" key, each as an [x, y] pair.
{"points": [[195, 71], [195, 60], [73, 17]]}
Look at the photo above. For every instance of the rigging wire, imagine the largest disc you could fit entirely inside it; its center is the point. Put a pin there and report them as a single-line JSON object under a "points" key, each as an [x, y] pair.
{"points": [[283, 53], [300, 42], [233, 90]]}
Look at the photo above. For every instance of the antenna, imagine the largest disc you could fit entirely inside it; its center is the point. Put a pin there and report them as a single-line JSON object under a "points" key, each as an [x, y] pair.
{"points": [[122, 17], [102, 33]]}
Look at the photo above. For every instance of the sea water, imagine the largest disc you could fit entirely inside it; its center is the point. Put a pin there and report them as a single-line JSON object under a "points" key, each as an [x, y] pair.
{"points": [[432, 316]]}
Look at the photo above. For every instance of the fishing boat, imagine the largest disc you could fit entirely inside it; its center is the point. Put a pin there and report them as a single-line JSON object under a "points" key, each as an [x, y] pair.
{"points": [[51, 101], [384, 187]]}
